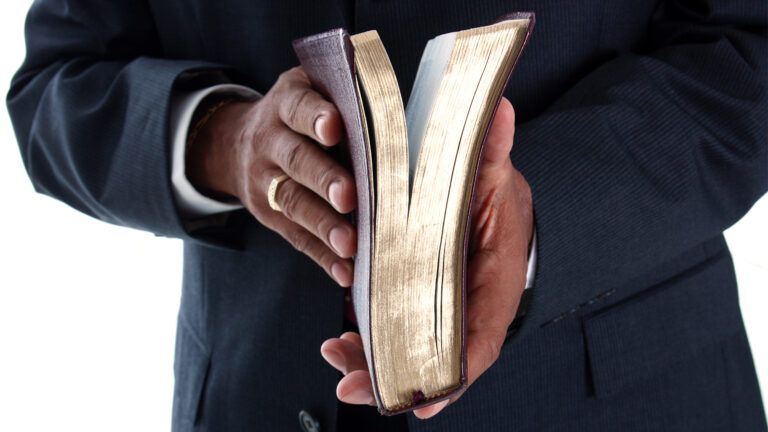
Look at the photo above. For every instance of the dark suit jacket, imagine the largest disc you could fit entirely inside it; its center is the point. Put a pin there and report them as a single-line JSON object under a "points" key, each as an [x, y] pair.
{"points": [[641, 130]]}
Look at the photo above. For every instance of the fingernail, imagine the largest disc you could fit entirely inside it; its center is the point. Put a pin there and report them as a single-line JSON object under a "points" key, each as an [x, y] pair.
{"points": [[319, 121], [334, 194], [432, 410], [339, 272], [358, 397], [335, 359], [338, 238], [436, 408]]}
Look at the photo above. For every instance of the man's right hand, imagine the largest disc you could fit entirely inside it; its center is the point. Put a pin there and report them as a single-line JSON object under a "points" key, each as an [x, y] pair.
{"points": [[245, 145]]}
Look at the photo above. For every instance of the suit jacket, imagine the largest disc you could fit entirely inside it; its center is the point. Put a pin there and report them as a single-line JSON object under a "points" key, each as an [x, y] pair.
{"points": [[641, 130]]}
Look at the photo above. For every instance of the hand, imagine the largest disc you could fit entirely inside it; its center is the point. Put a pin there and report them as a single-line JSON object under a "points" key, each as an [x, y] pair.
{"points": [[244, 145], [501, 231]]}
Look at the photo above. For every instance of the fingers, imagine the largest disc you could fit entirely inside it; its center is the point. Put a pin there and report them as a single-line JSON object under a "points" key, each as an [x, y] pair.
{"points": [[344, 355], [500, 135], [294, 117], [354, 338], [307, 243], [302, 206], [307, 164], [278, 137], [431, 411], [355, 388], [305, 111]]}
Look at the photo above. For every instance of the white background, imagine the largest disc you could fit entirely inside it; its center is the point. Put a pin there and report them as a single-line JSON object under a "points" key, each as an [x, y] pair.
{"points": [[88, 310]]}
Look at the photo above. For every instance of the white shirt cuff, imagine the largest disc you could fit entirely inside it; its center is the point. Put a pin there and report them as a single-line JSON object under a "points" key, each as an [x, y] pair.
{"points": [[531, 274], [193, 204]]}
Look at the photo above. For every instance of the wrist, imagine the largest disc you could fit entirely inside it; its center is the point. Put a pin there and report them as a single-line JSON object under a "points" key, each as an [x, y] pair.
{"points": [[212, 147]]}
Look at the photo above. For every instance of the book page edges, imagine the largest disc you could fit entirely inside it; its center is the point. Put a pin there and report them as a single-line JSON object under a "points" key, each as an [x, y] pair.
{"points": [[530, 16]]}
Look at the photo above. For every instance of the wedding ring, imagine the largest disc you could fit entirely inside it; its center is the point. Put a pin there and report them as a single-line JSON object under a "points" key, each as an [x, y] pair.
{"points": [[272, 192]]}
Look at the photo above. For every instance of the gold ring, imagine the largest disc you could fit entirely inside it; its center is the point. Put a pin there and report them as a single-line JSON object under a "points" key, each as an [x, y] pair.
{"points": [[272, 192]]}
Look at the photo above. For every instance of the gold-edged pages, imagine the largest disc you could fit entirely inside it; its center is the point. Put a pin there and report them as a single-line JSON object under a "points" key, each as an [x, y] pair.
{"points": [[418, 243]]}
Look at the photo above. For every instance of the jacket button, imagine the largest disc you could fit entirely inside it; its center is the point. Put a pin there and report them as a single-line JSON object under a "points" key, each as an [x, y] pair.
{"points": [[308, 423]]}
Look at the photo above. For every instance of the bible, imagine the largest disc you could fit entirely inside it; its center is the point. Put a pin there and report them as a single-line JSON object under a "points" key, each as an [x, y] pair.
{"points": [[415, 169]]}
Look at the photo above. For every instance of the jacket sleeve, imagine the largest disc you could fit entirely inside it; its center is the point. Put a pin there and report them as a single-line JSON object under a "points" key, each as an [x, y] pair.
{"points": [[90, 107], [652, 154]]}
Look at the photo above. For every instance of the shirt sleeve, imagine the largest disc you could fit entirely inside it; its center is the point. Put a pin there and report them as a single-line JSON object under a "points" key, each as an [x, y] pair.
{"points": [[193, 204], [530, 275]]}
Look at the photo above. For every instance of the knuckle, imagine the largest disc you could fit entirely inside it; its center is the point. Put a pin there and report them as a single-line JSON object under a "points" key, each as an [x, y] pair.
{"points": [[325, 107], [263, 136], [249, 199], [301, 241], [324, 177], [293, 156], [271, 100], [292, 71], [295, 105], [290, 78], [326, 260], [257, 136], [289, 200], [285, 76], [298, 72], [492, 349], [280, 89], [324, 226]]}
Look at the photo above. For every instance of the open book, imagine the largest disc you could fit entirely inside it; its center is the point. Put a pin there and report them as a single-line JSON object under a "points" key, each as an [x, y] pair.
{"points": [[415, 170]]}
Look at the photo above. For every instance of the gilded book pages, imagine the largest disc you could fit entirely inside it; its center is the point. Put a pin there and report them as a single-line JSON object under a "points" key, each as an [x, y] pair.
{"points": [[416, 297]]}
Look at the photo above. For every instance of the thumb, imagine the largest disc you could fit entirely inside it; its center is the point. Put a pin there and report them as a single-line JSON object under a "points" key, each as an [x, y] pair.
{"points": [[500, 136]]}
